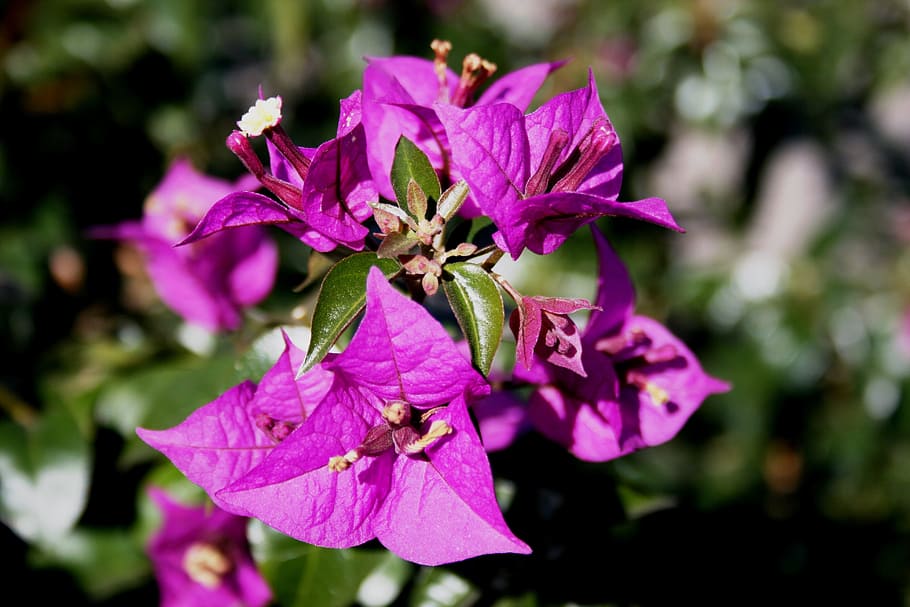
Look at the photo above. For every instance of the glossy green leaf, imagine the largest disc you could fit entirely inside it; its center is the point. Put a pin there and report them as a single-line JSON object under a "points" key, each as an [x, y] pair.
{"points": [[477, 304], [45, 473], [302, 575], [410, 163], [341, 297]]}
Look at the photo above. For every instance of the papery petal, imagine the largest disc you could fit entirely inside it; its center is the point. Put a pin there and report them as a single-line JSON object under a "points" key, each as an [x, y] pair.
{"points": [[401, 352], [184, 192], [415, 75], [490, 149], [445, 510], [182, 526], [384, 122], [349, 115], [543, 223], [189, 284], [252, 276], [241, 209], [285, 397], [646, 423], [336, 171], [615, 292], [573, 112], [574, 424], [519, 87], [284, 170], [294, 491], [216, 444]]}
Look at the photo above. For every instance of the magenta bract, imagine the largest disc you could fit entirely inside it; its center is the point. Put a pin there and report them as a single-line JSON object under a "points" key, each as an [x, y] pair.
{"points": [[542, 176], [201, 557], [401, 95], [432, 507], [326, 207], [644, 383], [208, 283]]}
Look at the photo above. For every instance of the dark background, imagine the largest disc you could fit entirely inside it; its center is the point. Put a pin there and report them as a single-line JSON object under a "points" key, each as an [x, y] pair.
{"points": [[779, 134]]}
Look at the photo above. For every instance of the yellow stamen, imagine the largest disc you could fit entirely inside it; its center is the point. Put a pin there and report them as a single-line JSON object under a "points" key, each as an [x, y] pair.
{"points": [[340, 463], [206, 564], [437, 430], [659, 396], [264, 114]]}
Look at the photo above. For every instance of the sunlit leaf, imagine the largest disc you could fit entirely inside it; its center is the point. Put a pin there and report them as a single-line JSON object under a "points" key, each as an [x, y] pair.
{"points": [[412, 164], [302, 575], [477, 305], [341, 297], [44, 472], [440, 588]]}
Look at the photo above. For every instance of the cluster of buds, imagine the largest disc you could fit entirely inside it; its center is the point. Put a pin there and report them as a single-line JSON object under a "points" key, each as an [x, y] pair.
{"points": [[402, 232]]}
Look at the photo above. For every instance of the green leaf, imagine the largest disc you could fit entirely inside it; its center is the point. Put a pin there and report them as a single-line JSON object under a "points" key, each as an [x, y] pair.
{"points": [[477, 304], [105, 561], [45, 471], [395, 244], [341, 297], [437, 587], [410, 163], [162, 395], [452, 199], [302, 575]]}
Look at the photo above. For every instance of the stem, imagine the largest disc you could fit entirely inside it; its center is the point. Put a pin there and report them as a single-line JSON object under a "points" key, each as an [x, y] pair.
{"points": [[502, 282], [18, 409], [494, 257]]}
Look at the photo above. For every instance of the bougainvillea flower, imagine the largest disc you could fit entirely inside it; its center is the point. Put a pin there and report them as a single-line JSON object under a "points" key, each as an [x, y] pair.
{"points": [[542, 327], [542, 176], [643, 384], [400, 95], [224, 439], [208, 283], [201, 557], [322, 193], [390, 453]]}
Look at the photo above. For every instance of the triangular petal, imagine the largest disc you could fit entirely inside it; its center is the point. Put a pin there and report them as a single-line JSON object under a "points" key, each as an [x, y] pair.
{"points": [[615, 292], [543, 223], [294, 491], [384, 122], [216, 444], [251, 277], [490, 150], [349, 115], [574, 424], [519, 87], [683, 379], [502, 417], [191, 285], [573, 112], [401, 352], [445, 510], [240, 209], [332, 177], [285, 398]]}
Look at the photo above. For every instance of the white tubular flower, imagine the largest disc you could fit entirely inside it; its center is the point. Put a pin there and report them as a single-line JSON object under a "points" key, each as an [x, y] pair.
{"points": [[264, 114]]}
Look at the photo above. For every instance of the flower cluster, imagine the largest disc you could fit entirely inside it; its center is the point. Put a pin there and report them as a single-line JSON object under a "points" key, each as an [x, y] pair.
{"points": [[379, 441]]}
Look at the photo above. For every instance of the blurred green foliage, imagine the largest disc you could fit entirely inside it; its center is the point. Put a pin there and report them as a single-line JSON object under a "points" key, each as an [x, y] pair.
{"points": [[779, 135]]}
